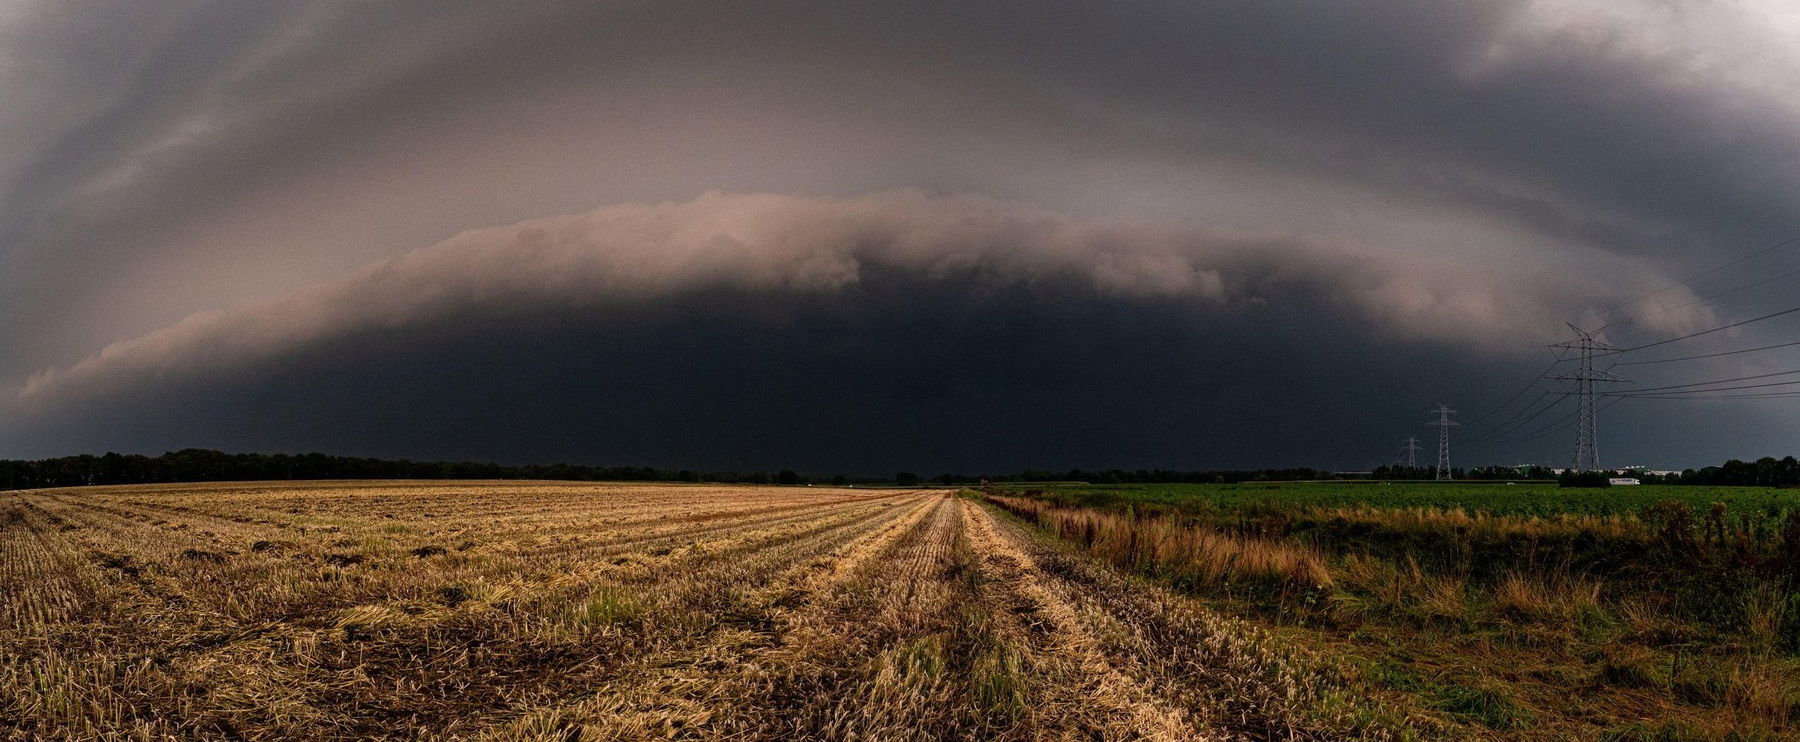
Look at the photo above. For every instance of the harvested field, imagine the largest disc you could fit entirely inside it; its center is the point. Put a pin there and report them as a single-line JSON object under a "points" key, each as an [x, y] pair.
{"points": [[553, 611]]}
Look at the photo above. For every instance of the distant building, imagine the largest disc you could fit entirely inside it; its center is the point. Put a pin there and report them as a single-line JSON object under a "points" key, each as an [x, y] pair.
{"points": [[1622, 480], [1641, 470]]}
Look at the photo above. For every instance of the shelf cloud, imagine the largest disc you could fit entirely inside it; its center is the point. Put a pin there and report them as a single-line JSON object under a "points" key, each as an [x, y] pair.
{"points": [[764, 243]]}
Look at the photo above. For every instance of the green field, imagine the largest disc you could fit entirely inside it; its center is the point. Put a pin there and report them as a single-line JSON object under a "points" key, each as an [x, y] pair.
{"points": [[1675, 610], [1499, 498]]}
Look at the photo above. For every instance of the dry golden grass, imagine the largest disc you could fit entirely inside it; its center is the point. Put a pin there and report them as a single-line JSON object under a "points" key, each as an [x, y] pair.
{"points": [[561, 611], [1163, 546], [1490, 647]]}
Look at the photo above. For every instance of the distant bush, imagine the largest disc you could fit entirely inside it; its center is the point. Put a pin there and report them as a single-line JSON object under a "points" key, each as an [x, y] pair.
{"points": [[1572, 478]]}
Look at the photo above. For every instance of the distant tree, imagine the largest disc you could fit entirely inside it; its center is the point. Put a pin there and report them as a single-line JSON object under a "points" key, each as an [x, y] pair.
{"points": [[906, 479], [787, 476], [1572, 478]]}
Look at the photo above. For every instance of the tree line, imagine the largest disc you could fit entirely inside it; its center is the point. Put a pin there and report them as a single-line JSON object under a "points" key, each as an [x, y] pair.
{"points": [[1767, 471], [201, 465]]}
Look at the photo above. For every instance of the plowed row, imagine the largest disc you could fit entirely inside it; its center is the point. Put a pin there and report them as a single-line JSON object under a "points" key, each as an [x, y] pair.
{"points": [[595, 612]]}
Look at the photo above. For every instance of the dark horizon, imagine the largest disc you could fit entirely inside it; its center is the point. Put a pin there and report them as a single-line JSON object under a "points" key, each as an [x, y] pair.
{"points": [[205, 465]]}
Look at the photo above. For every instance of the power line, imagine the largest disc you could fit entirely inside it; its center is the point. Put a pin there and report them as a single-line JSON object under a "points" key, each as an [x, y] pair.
{"points": [[1700, 300], [1411, 448], [1522, 410], [1560, 425], [1443, 424], [1492, 437], [1502, 428], [1673, 395], [1587, 434], [1753, 377], [1704, 332], [1707, 355], [1538, 377], [1510, 427], [1586, 446], [1707, 272], [1697, 395]]}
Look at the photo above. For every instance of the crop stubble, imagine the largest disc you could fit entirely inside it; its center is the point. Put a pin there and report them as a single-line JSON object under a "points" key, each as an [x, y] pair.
{"points": [[561, 611]]}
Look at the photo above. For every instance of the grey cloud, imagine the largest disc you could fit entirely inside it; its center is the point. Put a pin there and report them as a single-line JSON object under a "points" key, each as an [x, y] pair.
{"points": [[775, 243], [899, 370], [263, 146]]}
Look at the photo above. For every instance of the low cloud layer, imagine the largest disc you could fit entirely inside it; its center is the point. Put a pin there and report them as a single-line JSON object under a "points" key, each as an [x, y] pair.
{"points": [[619, 256]]}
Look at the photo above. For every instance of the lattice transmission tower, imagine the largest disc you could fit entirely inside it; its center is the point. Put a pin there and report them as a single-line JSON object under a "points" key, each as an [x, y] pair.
{"points": [[1410, 447], [1444, 424], [1587, 433]]}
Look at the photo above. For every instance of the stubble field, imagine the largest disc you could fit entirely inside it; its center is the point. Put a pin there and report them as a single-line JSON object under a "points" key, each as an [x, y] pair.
{"points": [[551, 611]]}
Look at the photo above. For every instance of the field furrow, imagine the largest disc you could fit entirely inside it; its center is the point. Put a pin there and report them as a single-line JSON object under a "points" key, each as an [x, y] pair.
{"points": [[168, 613], [677, 692], [1083, 694], [1226, 675], [328, 611]]}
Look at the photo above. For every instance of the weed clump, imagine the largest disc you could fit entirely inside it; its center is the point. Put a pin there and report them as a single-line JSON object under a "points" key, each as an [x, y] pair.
{"points": [[201, 555], [1487, 704], [605, 606]]}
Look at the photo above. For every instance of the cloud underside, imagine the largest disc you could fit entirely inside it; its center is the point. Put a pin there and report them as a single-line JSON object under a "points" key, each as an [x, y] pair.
{"points": [[207, 153], [900, 368], [619, 256]]}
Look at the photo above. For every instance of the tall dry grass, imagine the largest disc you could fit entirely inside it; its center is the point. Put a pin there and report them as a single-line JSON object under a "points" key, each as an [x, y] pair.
{"points": [[1164, 547], [1702, 607]]}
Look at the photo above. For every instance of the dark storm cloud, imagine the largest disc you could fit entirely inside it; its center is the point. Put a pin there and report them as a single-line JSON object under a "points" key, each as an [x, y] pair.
{"points": [[195, 187], [773, 244], [900, 369]]}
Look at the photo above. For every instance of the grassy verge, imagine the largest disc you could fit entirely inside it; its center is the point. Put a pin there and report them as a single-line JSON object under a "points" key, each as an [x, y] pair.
{"points": [[1543, 499], [1666, 623]]}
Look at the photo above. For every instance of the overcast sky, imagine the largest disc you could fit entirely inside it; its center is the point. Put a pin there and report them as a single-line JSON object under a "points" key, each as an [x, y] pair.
{"points": [[847, 236]]}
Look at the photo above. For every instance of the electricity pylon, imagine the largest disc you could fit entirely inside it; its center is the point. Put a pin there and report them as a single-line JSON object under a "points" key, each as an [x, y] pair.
{"points": [[1587, 444], [1444, 424], [1411, 448]]}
